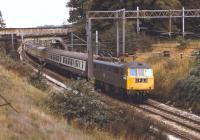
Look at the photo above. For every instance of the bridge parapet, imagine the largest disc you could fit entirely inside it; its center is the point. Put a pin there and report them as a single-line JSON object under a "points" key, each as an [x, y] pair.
{"points": [[36, 31]]}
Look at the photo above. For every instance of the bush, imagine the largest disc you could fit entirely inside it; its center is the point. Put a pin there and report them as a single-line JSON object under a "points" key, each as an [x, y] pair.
{"points": [[187, 91], [21, 68], [37, 81], [85, 107], [183, 43]]}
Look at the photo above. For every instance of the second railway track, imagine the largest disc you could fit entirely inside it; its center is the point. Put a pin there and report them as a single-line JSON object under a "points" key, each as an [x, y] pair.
{"points": [[186, 123]]}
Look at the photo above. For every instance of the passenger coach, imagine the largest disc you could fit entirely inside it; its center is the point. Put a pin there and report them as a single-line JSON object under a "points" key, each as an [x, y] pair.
{"points": [[73, 62]]}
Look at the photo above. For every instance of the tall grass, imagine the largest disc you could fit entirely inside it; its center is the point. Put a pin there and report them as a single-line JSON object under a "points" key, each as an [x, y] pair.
{"points": [[167, 70], [32, 121]]}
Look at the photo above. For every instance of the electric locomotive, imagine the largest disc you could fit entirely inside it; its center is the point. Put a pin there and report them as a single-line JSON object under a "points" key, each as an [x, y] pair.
{"points": [[129, 79]]}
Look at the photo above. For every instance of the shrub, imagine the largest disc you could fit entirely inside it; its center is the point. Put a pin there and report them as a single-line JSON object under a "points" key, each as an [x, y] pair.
{"points": [[87, 109], [187, 91], [183, 43], [21, 68]]}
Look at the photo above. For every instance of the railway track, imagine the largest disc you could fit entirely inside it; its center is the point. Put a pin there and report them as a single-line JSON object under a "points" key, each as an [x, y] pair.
{"points": [[189, 122], [180, 123], [172, 110]]}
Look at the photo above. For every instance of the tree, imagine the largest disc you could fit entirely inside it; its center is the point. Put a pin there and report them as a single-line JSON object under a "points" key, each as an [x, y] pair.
{"points": [[79, 9], [2, 22]]}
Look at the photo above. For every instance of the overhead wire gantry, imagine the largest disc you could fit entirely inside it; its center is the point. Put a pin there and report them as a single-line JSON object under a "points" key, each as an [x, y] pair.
{"points": [[138, 14]]}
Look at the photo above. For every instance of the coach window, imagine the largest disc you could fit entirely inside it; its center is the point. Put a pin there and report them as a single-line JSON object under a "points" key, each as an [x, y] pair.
{"points": [[81, 64], [73, 62], [78, 64], [63, 60], [66, 61], [70, 61]]}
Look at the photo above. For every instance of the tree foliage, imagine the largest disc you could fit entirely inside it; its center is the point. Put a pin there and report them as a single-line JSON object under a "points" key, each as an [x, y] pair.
{"points": [[187, 91], [2, 22], [79, 9]]}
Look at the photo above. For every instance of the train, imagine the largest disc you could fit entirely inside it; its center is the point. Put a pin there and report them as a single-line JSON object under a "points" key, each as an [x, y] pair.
{"points": [[134, 80]]}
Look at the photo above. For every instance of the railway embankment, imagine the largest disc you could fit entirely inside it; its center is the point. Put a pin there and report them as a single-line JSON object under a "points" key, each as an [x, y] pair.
{"points": [[22, 114], [87, 108], [40, 111]]}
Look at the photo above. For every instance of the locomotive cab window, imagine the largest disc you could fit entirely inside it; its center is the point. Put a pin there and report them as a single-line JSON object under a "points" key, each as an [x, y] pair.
{"points": [[149, 72], [133, 72], [141, 72]]}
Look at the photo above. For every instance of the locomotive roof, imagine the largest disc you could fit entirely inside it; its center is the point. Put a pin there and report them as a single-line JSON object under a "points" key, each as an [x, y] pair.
{"points": [[137, 65], [123, 65]]}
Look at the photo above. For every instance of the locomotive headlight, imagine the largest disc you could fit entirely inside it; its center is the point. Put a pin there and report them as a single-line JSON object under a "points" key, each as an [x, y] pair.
{"points": [[124, 77]]}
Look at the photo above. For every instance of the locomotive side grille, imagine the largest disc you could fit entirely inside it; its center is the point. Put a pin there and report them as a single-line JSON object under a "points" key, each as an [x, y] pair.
{"points": [[141, 80]]}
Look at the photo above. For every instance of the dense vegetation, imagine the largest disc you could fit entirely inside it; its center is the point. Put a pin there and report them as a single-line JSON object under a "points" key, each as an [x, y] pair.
{"points": [[79, 8], [87, 109], [187, 91], [149, 27]]}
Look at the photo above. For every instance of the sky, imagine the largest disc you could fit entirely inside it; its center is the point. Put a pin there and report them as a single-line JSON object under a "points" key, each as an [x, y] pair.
{"points": [[32, 13]]}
